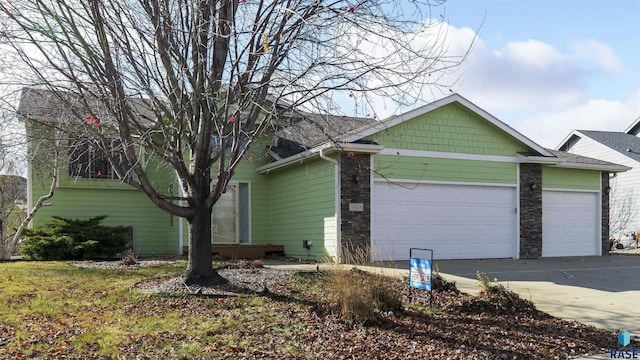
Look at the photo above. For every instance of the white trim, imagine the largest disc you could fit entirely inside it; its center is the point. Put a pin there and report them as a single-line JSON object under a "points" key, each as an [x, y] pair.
{"points": [[319, 150], [517, 211], [570, 190], [448, 155], [436, 182], [635, 123], [599, 218], [180, 223], [600, 167], [249, 206], [539, 159], [338, 205], [372, 203], [440, 103]]}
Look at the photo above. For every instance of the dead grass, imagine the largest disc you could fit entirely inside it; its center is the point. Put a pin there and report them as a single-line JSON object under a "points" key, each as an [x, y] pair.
{"points": [[54, 310]]}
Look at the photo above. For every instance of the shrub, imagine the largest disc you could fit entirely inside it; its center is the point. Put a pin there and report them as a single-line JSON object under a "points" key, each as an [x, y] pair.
{"points": [[73, 239], [438, 283], [496, 297], [360, 297]]}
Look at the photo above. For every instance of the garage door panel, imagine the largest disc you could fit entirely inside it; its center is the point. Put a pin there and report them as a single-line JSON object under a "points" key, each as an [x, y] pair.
{"points": [[570, 223], [456, 221]]}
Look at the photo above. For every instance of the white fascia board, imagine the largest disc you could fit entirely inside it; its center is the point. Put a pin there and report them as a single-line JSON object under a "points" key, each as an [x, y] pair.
{"points": [[568, 137], [324, 148], [360, 148], [549, 160], [449, 155], [634, 124], [440, 103]]}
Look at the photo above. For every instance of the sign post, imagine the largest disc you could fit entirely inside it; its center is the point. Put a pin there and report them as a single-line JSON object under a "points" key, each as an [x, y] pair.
{"points": [[420, 272]]}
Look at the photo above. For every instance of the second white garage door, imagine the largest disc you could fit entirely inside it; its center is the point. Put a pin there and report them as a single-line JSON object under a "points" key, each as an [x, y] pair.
{"points": [[456, 221], [570, 224]]}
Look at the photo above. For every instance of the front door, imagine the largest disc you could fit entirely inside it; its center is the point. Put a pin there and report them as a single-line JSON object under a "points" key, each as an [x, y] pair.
{"points": [[224, 222]]}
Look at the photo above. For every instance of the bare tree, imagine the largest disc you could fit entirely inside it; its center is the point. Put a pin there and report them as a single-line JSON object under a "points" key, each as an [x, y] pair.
{"points": [[214, 75], [623, 212]]}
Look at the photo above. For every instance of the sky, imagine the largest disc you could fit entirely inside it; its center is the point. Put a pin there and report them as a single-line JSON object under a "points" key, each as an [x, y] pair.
{"points": [[546, 67]]}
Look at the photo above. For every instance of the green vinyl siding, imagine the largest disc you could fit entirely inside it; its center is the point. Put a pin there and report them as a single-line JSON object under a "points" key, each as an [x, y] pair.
{"points": [[154, 231], [302, 207], [562, 178], [437, 169], [451, 128]]}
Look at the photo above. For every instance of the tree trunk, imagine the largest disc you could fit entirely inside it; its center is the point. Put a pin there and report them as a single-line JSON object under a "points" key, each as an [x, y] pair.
{"points": [[200, 267]]}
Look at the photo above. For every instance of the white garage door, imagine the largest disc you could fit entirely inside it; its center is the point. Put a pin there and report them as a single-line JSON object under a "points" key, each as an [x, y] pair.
{"points": [[456, 221], [570, 223]]}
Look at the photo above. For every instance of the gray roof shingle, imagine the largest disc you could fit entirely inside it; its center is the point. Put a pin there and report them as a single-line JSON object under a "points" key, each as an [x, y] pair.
{"points": [[626, 144]]}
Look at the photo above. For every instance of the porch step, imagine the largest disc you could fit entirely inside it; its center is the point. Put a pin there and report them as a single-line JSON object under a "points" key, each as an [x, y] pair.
{"points": [[243, 251]]}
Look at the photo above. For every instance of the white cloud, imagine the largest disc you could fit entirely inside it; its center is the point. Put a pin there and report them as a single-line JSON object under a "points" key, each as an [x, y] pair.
{"points": [[601, 56], [530, 74], [550, 128]]}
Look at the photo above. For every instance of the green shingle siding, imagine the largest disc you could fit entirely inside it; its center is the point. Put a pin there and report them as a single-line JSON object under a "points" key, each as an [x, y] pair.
{"points": [[451, 128]]}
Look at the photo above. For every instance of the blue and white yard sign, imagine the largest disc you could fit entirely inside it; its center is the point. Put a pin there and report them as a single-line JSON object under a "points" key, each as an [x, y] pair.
{"points": [[420, 273]]}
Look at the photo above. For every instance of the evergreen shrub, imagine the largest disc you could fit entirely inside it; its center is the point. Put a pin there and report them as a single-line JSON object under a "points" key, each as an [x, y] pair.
{"points": [[74, 239]]}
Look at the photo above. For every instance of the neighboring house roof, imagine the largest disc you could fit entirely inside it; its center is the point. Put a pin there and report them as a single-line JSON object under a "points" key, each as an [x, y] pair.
{"points": [[634, 128], [624, 143]]}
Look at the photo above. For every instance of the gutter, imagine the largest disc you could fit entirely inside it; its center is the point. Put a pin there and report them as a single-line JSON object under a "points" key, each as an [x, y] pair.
{"points": [[540, 160], [321, 151], [600, 167]]}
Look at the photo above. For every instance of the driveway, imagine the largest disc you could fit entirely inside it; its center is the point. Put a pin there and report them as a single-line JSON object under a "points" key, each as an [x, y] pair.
{"points": [[603, 291]]}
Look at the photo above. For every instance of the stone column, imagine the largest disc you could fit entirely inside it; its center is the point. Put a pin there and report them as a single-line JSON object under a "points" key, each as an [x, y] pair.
{"points": [[530, 211], [355, 207]]}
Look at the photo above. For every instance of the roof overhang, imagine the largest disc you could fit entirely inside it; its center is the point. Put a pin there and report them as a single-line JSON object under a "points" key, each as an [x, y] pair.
{"points": [[600, 167], [535, 159], [325, 148], [568, 164]]}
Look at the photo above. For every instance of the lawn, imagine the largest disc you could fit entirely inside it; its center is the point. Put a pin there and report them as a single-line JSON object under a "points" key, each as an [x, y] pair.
{"points": [[55, 310]]}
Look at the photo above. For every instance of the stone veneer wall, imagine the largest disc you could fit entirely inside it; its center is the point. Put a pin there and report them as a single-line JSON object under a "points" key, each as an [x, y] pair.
{"points": [[605, 190], [530, 211], [355, 187]]}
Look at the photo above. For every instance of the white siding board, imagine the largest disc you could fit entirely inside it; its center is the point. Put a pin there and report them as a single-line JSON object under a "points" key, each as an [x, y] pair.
{"points": [[622, 184]]}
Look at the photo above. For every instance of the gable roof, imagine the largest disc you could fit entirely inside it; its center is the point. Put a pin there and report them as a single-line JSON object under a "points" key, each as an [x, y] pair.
{"points": [[438, 104], [319, 134], [634, 128], [623, 143], [317, 129]]}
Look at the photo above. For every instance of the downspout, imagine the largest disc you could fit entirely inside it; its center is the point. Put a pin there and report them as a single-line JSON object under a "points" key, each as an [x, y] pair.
{"points": [[337, 200]]}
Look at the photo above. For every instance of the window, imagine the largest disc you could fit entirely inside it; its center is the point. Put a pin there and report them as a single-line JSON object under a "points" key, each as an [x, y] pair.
{"points": [[88, 161]]}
